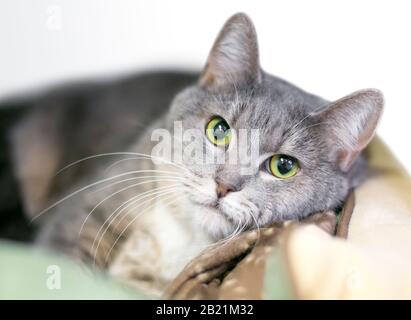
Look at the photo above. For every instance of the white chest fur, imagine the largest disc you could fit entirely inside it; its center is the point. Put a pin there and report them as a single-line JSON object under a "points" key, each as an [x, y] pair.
{"points": [[162, 242]]}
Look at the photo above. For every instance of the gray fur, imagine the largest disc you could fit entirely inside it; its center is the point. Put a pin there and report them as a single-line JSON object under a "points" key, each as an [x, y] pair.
{"points": [[325, 137]]}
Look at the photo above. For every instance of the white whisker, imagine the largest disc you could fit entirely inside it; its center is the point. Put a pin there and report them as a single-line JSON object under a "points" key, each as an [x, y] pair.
{"points": [[145, 156], [256, 224], [177, 178], [151, 193], [112, 195], [128, 159], [85, 188], [132, 221]]}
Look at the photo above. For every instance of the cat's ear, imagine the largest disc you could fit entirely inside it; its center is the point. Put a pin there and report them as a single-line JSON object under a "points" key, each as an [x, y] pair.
{"points": [[234, 56], [350, 124]]}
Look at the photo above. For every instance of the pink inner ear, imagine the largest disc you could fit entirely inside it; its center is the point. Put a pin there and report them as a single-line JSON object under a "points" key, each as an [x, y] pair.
{"points": [[347, 157], [234, 55], [207, 78], [353, 121]]}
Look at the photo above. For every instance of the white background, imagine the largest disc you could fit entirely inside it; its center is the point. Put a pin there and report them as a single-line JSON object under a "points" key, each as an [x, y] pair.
{"points": [[326, 47]]}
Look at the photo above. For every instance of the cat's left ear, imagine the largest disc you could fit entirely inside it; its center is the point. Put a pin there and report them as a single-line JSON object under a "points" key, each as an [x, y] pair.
{"points": [[350, 124], [234, 56]]}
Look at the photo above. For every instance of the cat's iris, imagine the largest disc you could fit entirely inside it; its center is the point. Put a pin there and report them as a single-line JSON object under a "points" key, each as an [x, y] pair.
{"points": [[283, 166], [218, 131]]}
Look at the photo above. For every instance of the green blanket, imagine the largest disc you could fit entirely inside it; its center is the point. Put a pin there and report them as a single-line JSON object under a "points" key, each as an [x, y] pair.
{"points": [[28, 273]]}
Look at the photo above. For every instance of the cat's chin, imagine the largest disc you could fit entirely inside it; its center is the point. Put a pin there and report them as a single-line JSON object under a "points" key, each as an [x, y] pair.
{"points": [[213, 221]]}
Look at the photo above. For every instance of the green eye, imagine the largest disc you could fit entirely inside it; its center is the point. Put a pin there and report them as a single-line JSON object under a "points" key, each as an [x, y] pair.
{"points": [[282, 166], [218, 131]]}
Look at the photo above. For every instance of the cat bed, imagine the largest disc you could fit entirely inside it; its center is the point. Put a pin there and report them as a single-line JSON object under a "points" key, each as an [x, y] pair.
{"points": [[363, 252]]}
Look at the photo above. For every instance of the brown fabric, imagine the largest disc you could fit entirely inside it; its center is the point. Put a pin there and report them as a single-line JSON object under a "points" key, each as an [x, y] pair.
{"points": [[345, 217], [235, 269], [209, 265]]}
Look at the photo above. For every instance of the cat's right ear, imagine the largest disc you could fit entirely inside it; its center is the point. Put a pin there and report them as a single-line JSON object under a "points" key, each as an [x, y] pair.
{"points": [[350, 124], [234, 56]]}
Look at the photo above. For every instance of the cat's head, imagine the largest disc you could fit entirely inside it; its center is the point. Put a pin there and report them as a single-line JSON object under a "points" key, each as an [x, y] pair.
{"points": [[308, 148]]}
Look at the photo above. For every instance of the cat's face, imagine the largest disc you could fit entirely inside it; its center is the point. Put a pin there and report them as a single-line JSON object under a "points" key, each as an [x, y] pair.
{"points": [[306, 146]]}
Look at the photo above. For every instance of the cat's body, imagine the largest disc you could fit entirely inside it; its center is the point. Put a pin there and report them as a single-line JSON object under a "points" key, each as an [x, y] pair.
{"points": [[195, 204], [57, 132]]}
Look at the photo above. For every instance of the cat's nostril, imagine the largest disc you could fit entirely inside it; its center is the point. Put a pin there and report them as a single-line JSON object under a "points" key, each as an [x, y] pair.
{"points": [[223, 189]]}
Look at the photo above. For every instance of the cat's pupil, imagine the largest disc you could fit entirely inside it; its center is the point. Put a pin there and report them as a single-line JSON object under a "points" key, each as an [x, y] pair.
{"points": [[285, 165], [220, 130]]}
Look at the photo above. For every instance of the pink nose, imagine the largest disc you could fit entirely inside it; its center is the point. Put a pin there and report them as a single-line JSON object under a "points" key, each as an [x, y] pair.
{"points": [[223, 189]]}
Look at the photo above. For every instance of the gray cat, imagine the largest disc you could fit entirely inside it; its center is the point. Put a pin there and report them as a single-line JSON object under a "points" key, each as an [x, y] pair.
{"points": [[143, 220]]}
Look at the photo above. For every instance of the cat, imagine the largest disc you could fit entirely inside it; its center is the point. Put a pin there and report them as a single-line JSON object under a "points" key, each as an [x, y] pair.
{"points": [[142, 220]]}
